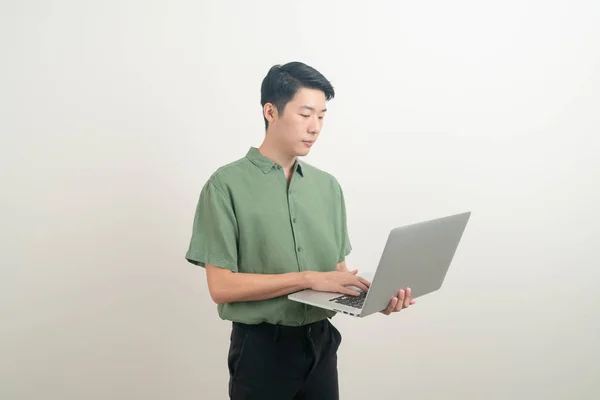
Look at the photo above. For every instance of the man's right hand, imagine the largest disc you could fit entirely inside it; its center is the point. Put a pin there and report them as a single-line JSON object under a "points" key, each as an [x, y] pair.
{"points": [[336, 281]]}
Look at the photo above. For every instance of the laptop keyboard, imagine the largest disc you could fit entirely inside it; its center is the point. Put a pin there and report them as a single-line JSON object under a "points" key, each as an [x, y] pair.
{"points": [[351, 301]]}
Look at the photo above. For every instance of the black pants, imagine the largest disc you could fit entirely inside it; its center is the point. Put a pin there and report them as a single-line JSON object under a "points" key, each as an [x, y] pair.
{"points": [[284, 363]]}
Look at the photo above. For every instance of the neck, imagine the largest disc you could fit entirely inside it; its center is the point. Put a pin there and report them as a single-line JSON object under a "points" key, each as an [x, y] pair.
{"points": [[276, 155]]}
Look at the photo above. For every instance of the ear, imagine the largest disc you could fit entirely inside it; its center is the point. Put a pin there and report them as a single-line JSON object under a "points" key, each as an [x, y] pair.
{"points": [[270, 112]]}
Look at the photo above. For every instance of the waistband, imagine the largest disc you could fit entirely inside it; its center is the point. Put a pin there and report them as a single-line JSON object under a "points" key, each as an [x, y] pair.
{"points": [[284, 331]]}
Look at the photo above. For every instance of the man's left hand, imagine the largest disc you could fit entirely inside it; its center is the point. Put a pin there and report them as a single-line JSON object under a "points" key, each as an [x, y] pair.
{"points": [[398, 303], [403, 300]]}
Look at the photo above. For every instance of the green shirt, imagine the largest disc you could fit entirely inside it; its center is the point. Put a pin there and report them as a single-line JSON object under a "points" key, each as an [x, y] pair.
{"points": [[249, 220]]}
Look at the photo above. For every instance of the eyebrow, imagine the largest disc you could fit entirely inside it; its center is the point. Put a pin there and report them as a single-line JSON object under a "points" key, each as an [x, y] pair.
{"points": [[312, 108]]}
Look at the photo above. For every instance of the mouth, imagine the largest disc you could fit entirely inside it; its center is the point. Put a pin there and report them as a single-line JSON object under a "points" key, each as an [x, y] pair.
{"points": [[308, 143]]}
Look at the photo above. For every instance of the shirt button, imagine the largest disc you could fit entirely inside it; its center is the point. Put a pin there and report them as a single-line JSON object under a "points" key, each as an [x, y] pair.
{"points": [[299, 248], [294, 220]]}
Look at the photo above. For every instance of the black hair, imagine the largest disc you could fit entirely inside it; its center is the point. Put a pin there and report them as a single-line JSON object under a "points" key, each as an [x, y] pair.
{"points": [[283, 81]]}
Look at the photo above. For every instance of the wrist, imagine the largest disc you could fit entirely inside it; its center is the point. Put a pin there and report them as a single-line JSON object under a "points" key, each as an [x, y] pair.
{"points": [[307, 278]]}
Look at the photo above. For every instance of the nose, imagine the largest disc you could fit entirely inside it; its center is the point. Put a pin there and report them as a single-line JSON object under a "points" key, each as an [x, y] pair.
{"points": [[313, 127]]}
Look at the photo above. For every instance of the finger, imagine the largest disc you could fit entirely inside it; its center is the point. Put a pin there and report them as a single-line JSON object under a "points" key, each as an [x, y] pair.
{"points": [[390, 308], [413, 301], [361, 287], [345, 290], [354, 272], [359, 284], [407, 297], [365, 282], [400, 303]]}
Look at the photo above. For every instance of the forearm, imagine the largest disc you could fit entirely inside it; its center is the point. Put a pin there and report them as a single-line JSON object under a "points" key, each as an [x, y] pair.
{"points": [[228, 287]]}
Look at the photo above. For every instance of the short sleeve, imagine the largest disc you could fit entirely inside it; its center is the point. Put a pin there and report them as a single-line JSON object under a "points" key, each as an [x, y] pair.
{"points": [[345, 246], [214, 234]]}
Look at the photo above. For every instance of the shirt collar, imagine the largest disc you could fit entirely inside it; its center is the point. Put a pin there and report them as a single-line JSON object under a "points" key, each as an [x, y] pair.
{"points": [[266, 165]]}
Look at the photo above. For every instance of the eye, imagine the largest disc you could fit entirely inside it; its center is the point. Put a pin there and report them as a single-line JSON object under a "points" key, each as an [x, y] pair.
{"points": [[320, 117], [305, 116]]}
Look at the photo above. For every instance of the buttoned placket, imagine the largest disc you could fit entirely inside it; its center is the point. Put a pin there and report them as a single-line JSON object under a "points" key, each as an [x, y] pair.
{"points": [[297, 237], [293, 218]]}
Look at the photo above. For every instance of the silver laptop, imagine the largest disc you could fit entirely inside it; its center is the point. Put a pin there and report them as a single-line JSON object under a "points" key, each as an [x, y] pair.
{"points": [[416, 256]]}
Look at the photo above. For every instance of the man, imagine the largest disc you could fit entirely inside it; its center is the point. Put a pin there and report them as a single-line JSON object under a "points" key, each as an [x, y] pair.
{"points": [[268, 225]]}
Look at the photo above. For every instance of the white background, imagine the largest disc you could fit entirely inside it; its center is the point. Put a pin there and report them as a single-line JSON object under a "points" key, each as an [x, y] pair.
{"points": [[113, 114]]}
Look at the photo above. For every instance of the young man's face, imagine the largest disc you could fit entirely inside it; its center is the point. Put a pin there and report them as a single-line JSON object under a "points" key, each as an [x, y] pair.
{"points": [[298, 128]]}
